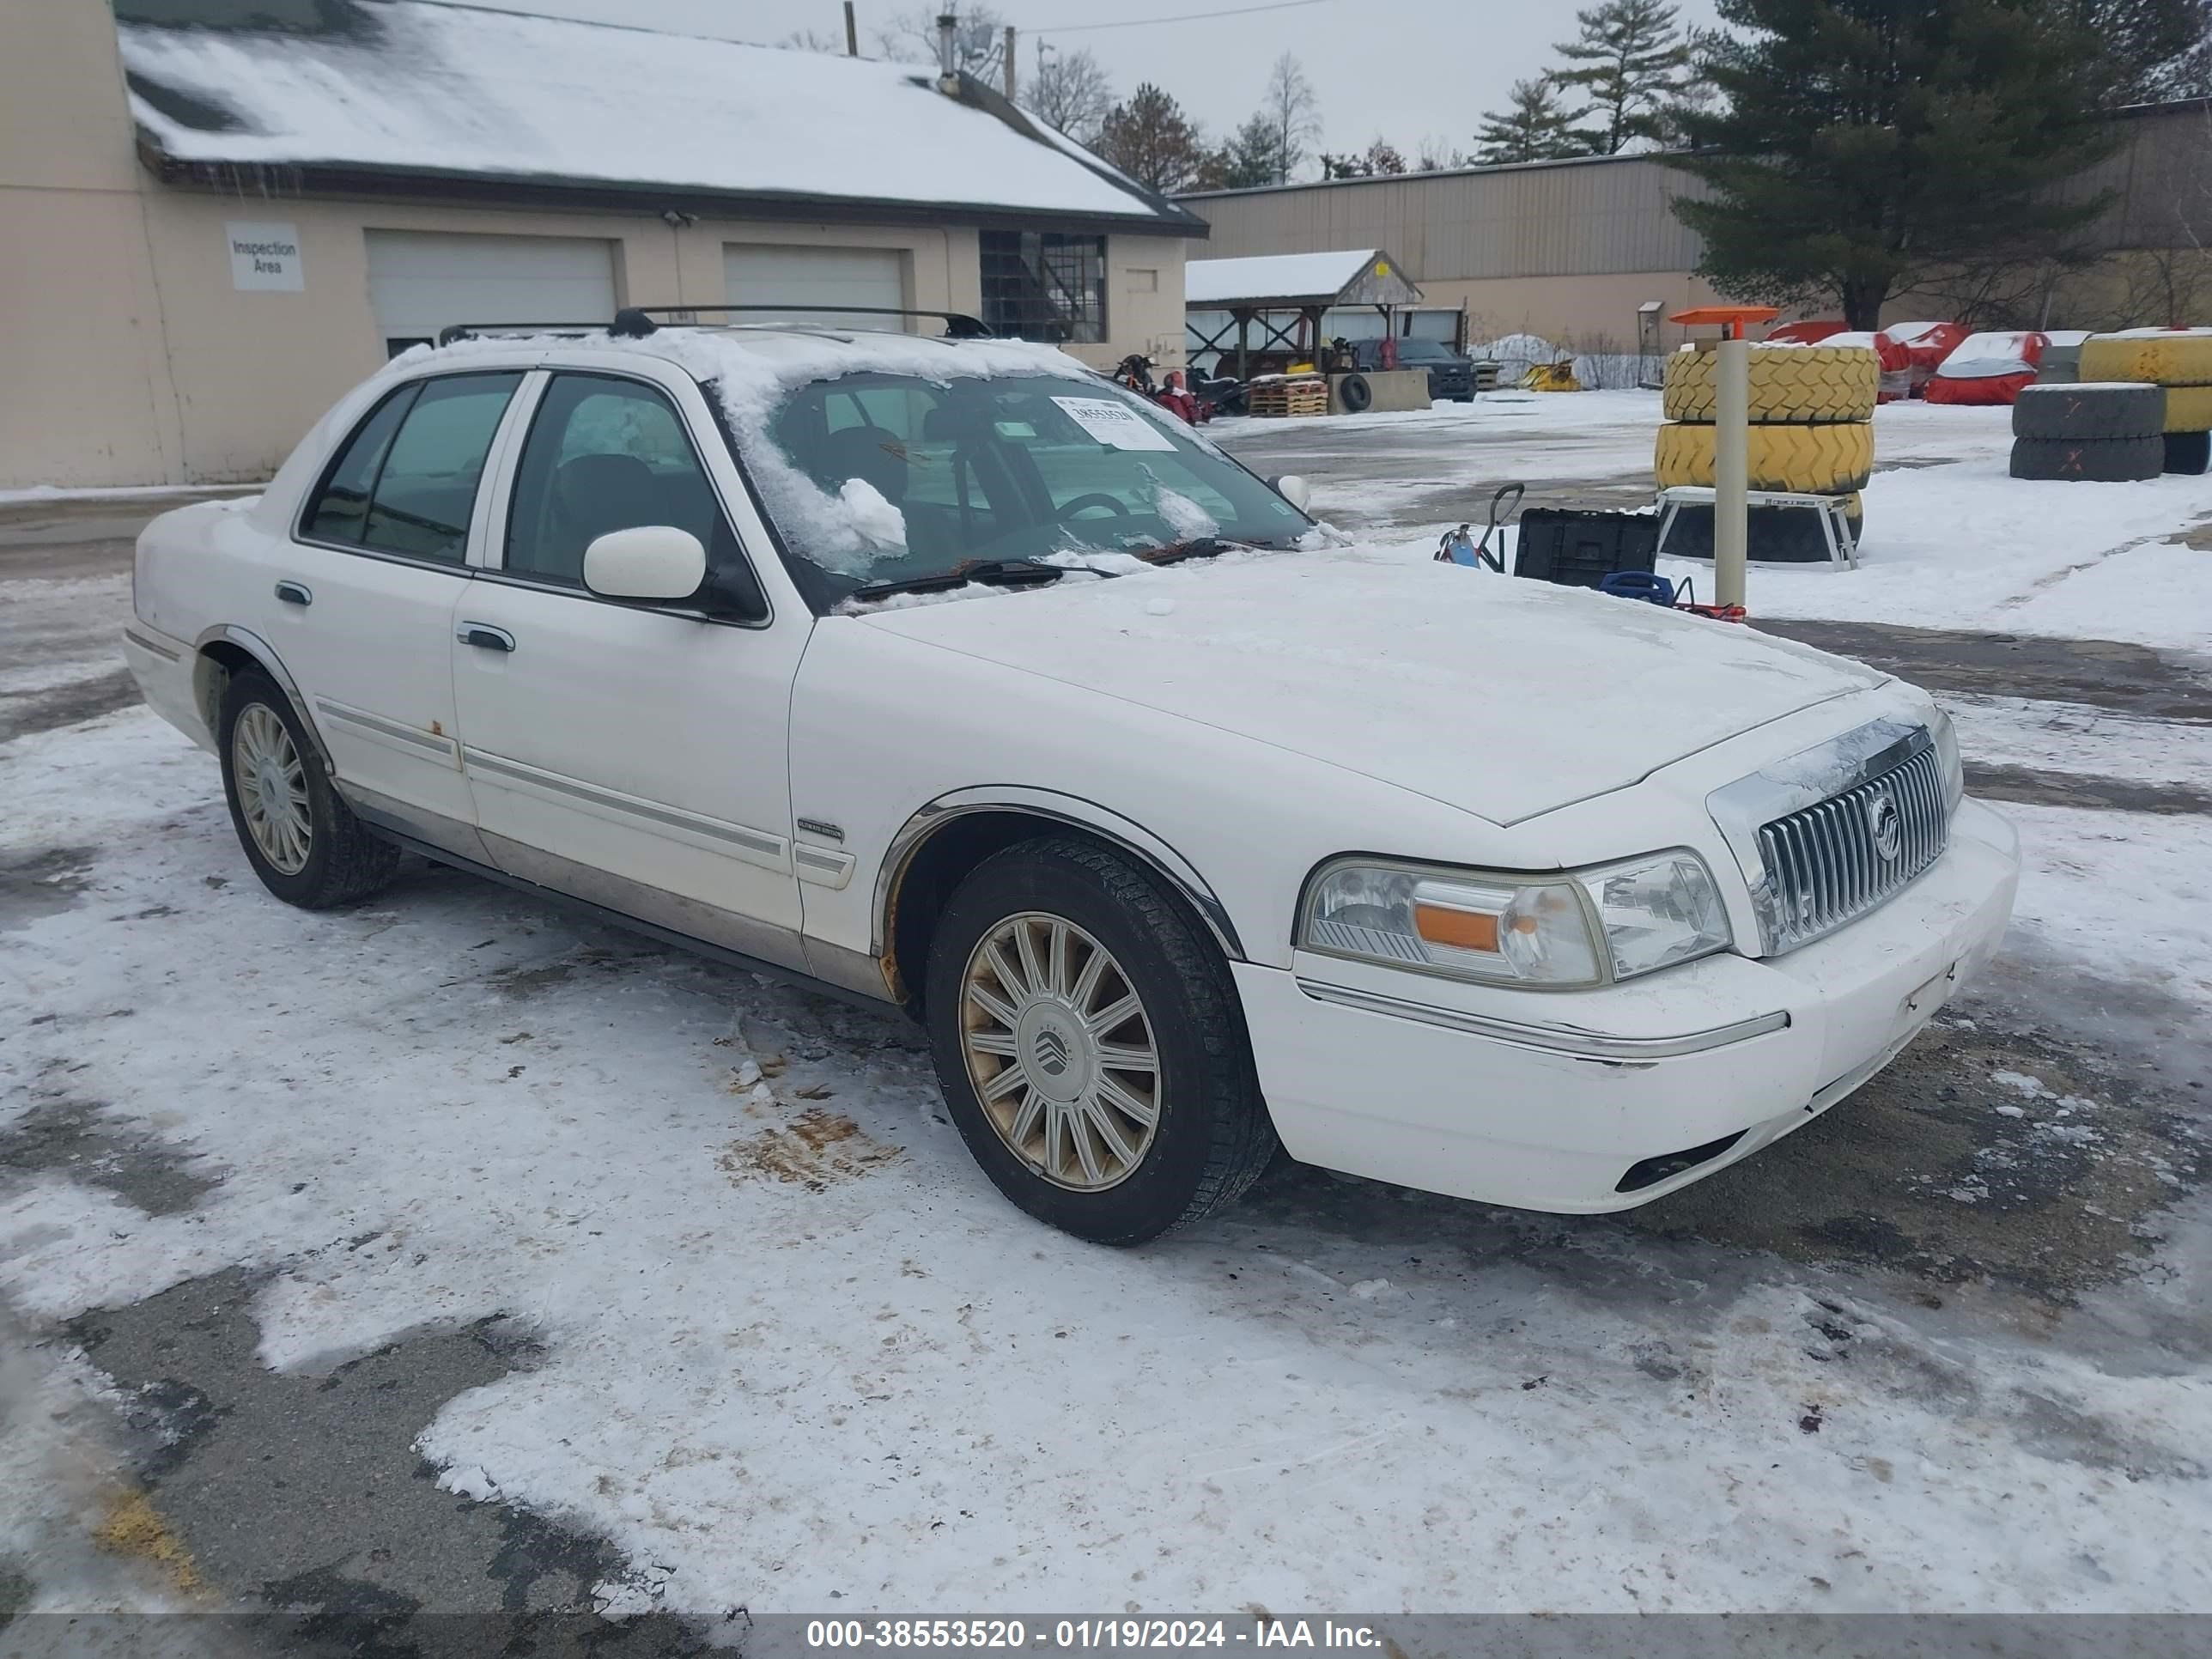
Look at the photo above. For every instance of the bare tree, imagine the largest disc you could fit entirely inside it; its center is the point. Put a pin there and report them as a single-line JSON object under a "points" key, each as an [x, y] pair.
{"points": [[1070, 94], [1434, 155], [979, 39], [812, 41], [1292, 110]]}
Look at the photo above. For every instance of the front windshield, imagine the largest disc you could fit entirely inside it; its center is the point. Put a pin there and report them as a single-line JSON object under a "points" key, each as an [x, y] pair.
{"points": [[907, 477]]}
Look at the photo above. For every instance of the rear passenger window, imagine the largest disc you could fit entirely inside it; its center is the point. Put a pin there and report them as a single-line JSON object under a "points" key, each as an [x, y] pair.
{"points": [[603, 455], [406, 481], [343, 505]]}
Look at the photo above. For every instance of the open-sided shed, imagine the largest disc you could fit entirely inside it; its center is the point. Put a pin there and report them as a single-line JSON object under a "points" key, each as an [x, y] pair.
{"points": [[1263, 287]]}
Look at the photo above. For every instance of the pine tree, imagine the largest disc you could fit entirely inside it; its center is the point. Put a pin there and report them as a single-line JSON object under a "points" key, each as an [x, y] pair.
{"points": [[1536, 129], [1380, 158], [1628, 61], [1248, 158], [1153, 140], [1864, 145]]}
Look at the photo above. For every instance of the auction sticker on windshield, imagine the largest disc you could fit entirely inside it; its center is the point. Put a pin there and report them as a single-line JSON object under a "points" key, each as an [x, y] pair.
{"points": [[1114, 424]]}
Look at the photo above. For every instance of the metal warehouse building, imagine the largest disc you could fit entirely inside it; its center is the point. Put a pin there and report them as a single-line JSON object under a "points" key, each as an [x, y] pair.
{"points": [[215, 215], [1571, 249]]}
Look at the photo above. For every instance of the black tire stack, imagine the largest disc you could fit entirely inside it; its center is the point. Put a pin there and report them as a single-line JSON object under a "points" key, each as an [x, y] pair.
{"points": [[2109, 433]]}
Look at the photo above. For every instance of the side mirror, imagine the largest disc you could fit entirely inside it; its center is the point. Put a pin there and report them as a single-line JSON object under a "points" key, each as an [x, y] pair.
{"points": [[651, 562], [1292, 488]]}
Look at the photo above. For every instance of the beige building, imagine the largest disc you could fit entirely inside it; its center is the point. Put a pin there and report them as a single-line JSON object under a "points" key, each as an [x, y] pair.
{"points": [[1571, 249], [215, 215]]}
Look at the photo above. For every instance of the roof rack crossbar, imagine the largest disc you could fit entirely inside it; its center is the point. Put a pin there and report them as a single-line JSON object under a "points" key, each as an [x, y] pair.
{"points": [[637, 321]]}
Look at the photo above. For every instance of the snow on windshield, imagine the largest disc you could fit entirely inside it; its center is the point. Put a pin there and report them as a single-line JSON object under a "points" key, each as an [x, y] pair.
{"points": [[849, 530]]}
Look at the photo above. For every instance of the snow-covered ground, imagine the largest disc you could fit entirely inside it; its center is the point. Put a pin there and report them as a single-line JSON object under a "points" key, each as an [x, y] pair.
{"points": [[797, 1354], [796, 1349], [1950, 539]]}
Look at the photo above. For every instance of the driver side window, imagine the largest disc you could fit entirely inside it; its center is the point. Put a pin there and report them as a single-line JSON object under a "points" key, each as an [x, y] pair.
{"points": [[605, 455]]}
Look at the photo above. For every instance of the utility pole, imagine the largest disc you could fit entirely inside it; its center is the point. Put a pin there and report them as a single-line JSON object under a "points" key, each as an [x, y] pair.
{"points": [[852, 32], [1010, 62]]}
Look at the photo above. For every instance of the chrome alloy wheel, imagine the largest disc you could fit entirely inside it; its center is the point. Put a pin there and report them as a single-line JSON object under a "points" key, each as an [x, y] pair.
{"points": [[272, 789], [1060, 1052]]}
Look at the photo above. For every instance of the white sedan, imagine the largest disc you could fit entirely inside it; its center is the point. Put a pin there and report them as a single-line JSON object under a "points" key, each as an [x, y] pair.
{"points": [[944, 674]]}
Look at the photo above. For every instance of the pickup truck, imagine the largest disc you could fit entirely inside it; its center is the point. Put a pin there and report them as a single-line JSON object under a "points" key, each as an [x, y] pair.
{"points": [[944, 675]]}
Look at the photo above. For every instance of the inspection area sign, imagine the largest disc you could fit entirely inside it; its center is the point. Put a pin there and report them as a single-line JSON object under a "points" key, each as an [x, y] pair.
{"points": [[265, 255]]}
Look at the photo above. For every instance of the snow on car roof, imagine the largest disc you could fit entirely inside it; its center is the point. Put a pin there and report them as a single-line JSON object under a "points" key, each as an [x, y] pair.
{"points": [[435, 90]]}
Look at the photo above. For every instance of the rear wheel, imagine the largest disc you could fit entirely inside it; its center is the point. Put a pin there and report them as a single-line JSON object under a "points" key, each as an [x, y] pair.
{"points": [[1091, 1046], [301, 839]]}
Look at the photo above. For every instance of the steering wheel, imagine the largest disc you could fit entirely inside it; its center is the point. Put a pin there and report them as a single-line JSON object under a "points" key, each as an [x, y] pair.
{"points": [[1096, 498]]}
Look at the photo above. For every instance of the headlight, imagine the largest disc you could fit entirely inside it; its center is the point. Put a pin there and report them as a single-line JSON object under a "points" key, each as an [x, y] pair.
{"points": [[1946, 757], [1563, 931]]}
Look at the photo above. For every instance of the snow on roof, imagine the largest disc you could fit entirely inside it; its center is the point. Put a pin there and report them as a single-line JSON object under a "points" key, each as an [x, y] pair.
{"points": [[1273, 276], [409, 87]]}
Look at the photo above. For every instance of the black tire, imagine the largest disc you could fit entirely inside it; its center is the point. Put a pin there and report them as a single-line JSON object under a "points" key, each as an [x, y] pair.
{"points": [[2089, 411], [1773, 535], [1354, 393], [346, 861], [2097, 460], [2189, 453], [1214, 1137]]}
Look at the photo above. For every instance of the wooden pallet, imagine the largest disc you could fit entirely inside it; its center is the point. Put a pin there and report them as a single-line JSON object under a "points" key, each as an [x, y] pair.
{"points": [[1272, 396]]}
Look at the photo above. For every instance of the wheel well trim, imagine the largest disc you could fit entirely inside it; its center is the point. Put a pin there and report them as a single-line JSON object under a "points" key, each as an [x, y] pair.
{"points": [[1072, 809], [262, 652]]}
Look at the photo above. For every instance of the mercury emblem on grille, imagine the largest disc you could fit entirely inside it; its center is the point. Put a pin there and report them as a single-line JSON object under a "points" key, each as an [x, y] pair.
{"points": [[1882, 823]]}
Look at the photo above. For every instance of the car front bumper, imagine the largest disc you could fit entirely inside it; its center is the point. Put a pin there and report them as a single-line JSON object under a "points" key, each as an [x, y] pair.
{"points": [[1581, 1101]]}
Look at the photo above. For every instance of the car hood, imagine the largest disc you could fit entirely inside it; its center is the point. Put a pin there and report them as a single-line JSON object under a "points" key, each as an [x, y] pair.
{"points": [[1505, 697]]}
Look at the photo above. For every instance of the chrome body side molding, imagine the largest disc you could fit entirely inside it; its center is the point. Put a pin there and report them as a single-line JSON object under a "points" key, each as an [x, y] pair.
{"points": [[1074, 810], [1552, 1039], [261, 651]]}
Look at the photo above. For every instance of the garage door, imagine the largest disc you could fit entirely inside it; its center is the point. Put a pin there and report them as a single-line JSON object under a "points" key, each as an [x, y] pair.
{"points": [[420, 282], [796, 278]]}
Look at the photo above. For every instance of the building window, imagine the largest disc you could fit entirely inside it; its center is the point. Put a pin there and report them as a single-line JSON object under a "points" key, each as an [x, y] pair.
{"points": [[1040, 285]]}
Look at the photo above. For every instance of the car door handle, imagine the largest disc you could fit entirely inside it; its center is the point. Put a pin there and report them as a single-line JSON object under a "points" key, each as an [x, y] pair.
{"points": [[485, 636], [295, 593]]}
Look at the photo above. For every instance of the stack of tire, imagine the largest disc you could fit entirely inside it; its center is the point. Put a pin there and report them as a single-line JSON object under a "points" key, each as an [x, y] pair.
{"points": [[1812, 434], [2101, 432], [2177, 359]]}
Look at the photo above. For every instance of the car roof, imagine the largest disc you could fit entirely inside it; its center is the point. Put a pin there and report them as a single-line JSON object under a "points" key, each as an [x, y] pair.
{"points": [[782, 351]]}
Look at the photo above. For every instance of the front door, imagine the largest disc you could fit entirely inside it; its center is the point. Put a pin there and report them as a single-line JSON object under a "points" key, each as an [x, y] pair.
{"points": [[631, 754], [361, 612]]}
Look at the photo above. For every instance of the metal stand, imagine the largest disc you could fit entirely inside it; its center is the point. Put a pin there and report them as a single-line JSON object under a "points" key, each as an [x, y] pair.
{"points": [[1835, 525]]}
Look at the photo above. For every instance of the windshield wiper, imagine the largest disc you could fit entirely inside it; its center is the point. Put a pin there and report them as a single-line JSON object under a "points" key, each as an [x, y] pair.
{"points": [[1001, 573], [1199, 547]]}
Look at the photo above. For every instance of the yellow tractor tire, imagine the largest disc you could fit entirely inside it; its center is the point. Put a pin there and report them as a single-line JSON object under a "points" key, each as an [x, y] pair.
{"points": [[2189, 409], [2164, 357], [1795, 385], [1834, 458]]}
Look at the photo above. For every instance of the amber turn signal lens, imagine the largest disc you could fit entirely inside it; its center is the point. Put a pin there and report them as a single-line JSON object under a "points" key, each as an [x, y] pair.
{"points": [[1462, 930]]}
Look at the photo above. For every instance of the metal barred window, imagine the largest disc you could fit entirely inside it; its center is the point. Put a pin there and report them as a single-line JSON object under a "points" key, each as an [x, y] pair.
{"points": [[1042, 285], [1840, 858]]}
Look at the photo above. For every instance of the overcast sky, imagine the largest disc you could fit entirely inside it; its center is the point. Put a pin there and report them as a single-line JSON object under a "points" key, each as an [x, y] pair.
{"points": [[1409, 70]]}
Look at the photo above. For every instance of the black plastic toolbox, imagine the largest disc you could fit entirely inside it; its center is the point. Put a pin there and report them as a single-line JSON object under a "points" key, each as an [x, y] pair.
{"points": [[1580, 549]]}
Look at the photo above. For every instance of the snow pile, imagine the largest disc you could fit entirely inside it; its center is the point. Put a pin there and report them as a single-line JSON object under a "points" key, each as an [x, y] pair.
{"points": [[760, 1265]]}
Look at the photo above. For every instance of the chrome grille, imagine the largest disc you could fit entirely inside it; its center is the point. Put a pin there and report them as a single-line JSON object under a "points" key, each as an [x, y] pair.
{"points": [[1832, 861]]}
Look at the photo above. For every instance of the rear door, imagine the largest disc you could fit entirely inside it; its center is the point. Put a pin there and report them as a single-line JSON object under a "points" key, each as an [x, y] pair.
{"points": [[363, 615]]}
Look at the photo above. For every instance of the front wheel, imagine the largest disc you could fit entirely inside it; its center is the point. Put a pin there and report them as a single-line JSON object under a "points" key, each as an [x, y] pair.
{"points": [[301, 839], [1091, 1046]]}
